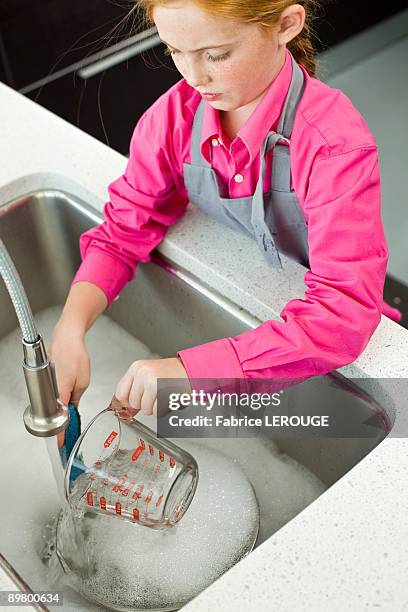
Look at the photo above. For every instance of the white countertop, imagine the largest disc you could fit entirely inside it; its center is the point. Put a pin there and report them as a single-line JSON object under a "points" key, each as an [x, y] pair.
{"points": [[347, 550]]}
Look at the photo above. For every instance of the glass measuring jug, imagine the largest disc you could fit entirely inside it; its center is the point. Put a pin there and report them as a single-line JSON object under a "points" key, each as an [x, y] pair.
{"points": [[122, 468]]}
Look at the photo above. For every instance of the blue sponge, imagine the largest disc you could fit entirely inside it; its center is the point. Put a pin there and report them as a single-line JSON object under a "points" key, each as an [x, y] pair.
{"points": [[72, 433]]}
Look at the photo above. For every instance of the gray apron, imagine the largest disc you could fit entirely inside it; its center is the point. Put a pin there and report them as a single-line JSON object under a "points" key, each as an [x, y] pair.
{"points": [[275, 218]]}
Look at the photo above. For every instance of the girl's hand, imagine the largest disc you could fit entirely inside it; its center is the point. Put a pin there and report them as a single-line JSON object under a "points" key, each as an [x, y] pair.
{"points": [[137, 389], [72, 365], [69, 354]]}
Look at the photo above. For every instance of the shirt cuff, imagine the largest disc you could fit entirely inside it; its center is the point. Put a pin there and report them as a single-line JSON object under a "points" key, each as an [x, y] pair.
{"points": [[105, 272], [216, 359]]}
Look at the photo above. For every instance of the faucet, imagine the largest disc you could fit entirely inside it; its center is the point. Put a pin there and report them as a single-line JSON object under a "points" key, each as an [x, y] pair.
{"points": [[46, 415]]}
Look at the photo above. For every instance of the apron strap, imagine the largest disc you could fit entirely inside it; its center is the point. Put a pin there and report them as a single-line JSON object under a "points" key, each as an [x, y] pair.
{"points": [[293, 97], [262, 233], [281, 174], [280, 166], [196, 158]]}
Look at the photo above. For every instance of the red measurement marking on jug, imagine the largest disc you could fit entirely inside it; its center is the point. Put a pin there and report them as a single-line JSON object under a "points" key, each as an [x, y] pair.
{"points": [[89, 498], [136, 514], [102, 503], [119, 488], [118, 485], [142, 443], [137, 494], [149, 497], [172, 462], [159, 501], [110, 439], [118, 508], [161, 455], [139, 450]]}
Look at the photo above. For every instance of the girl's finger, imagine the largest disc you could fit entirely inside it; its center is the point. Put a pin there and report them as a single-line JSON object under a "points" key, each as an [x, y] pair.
{"points": [[147, 401], [136, 392], [76, 395], [123, 388], [65, 395], [149, 395]]}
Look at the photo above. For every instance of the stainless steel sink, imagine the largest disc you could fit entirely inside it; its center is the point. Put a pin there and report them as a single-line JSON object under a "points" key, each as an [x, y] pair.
{"points": [[41, 231]]}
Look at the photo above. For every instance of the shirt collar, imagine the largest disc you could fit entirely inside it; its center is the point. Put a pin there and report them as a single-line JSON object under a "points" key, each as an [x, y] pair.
{"points": [[264, 118]]}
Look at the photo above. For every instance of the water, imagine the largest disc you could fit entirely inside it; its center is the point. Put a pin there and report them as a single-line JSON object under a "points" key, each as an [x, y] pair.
{"points": [[282, 486], [129, 566], [56, 466]]}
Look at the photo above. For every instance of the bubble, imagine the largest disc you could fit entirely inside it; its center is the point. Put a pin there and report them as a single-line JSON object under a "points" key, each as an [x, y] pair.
{"points": [[134, 567]]}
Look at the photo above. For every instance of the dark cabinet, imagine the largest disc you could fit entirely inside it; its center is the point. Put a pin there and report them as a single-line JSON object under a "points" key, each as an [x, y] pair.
{"points": [[41, 36], [108, 105]]}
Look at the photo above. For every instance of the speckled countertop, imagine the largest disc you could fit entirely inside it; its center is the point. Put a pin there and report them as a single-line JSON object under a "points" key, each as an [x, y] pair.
{"points": [[346, 551]]}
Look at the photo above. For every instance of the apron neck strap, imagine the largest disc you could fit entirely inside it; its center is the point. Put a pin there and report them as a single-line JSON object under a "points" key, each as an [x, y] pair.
{"points": [[292, 100], [196, 158]]}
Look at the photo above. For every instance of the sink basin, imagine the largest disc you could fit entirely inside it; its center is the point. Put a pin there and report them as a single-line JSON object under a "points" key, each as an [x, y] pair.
{"points": [[166, 309]]}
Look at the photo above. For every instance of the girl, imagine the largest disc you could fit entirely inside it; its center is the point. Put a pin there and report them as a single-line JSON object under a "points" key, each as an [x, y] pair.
{"points": [[254, 139]]}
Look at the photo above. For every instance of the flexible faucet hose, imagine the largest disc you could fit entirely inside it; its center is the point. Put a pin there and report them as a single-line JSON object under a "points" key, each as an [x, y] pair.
{"points": [[18, 296]]}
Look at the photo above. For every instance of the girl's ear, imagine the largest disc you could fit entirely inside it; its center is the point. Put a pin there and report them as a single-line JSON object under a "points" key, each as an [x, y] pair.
{"points": [[291, 23]]}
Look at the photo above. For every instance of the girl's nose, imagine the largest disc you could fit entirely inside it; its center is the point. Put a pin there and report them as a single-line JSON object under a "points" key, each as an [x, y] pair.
{"points": [[196, 77]]}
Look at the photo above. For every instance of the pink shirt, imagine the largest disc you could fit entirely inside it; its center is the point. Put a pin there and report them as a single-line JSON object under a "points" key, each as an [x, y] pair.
{"points": [[336, 177]]}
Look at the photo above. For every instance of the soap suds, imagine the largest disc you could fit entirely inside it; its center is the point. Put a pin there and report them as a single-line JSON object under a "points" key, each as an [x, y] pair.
{"points": [[282, 486]]}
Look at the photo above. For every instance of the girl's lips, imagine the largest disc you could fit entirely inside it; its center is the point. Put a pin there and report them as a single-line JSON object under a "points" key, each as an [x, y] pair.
{"points": [[211, 96]]}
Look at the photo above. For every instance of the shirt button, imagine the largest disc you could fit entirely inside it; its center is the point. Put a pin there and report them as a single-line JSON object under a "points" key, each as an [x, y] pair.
{"points": [[238, 178], [214, 142]]}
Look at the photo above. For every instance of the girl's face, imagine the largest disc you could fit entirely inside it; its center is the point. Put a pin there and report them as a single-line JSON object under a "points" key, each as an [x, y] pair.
{"points": [[215, 55]]}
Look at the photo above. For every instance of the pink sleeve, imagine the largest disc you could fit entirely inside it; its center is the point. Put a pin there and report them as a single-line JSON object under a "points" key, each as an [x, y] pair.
{"points": [[143, 203], [342, 305]]}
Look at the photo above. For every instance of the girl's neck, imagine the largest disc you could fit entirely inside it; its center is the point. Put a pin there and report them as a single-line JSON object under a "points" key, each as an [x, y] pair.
{"points": [[232, 121]]}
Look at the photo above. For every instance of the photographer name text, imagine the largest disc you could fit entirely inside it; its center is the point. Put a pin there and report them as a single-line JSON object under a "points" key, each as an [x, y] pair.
{"points": [[275, 420]]}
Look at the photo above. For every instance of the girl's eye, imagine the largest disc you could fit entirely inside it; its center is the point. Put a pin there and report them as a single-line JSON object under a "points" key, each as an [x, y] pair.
{"points": [[212, 58], [218, 58]]}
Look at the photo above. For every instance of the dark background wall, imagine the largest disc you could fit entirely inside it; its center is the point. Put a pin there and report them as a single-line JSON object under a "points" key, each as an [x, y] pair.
{"points": [[40, 37]]}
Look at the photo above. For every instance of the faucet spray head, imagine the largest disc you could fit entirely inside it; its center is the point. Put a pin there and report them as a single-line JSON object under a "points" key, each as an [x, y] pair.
{"points": [[46, 415]]}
